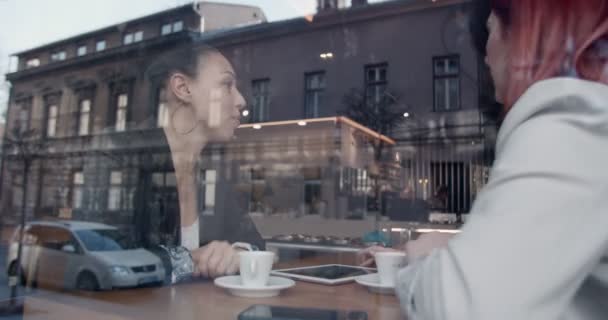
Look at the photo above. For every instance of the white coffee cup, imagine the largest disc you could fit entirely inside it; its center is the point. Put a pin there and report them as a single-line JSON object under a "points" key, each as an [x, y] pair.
{"points": [[255, 267], [388, 264]]}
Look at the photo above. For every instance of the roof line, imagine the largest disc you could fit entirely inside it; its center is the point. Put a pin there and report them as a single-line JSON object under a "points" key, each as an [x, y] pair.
{"points": [[100, 30]]}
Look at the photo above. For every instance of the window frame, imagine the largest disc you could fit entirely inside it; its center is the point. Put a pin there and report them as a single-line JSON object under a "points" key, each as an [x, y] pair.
{"points": [[367, 85], [82, 46], [58, 55], [448, 76], [80, 113], [100, 42], [29, 63], [81, 186], [307, 91], [255, 116], [48, 118]]}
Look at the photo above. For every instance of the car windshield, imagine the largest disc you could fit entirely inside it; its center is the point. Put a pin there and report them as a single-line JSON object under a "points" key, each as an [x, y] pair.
{"points": [[105, 240]]}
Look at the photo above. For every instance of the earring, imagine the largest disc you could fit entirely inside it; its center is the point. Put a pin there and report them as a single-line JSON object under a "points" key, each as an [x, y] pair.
{"points": [[180, 106]]}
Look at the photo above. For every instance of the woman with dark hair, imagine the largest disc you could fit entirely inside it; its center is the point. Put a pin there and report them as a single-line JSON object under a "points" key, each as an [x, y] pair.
{"points": [[536, 244], [203, 105]]}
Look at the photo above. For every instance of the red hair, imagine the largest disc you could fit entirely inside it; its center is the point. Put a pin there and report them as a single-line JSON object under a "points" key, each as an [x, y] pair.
{"points": [[550, 38]]}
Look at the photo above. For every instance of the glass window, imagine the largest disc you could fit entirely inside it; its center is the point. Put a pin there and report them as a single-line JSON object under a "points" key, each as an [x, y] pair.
{"points": [[101, 45], [252, 135], [78, 190], [446, 72], [139, 36], [58, 56], [178, 26], [98, 240], [313, 96], [32, 63], [208, 185], [162, 115], [51, 124], [128, 38], [17, 190], [261, 100], [165, 29], [81, 51], [114, 196], [24, 107], [121, 112], [84, 117], [375, 84]]}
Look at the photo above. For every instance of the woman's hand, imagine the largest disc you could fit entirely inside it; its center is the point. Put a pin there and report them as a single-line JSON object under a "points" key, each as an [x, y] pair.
{"points": [[365, 257], [426, 243], [216, 259]]}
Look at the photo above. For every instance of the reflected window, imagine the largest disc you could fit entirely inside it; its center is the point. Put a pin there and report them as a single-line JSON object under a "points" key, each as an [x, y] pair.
{"points": [[81, 51], [261, 102], [208, 183], [32, 63], [171, 27], [23, 116], [77, 190], [105, 240], [58, 56], [133, 37], [50, 194], [162, 111], [122, 104], [51, 122], [128, 38], [84, 117], [101, 45], [178, 26], [121, 192], [115, 190], [139, 36], [314, 92], [375, 83], [165, 29], [446, 74], [17, 190]]}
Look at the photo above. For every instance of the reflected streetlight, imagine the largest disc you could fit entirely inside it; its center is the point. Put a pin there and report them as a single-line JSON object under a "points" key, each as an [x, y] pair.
{"points": [[245, 113], [302, 123], [257, 126]]}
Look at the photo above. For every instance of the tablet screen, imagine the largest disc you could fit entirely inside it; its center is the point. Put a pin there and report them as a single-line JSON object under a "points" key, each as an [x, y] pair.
{"points": [[331, 272]]}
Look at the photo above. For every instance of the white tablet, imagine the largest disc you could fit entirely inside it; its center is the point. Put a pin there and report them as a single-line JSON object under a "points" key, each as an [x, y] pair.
{"points": [[329, 274]]}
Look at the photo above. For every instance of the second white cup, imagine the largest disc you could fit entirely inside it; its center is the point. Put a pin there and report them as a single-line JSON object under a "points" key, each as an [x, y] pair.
{"points": [[255, 267], [388, 264]]}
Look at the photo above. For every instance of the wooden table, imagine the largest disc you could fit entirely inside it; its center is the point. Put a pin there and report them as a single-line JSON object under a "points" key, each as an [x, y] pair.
{"points": [[202, 300]]}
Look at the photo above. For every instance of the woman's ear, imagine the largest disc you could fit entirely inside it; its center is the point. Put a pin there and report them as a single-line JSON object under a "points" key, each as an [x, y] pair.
{"points": [[179, 85]]}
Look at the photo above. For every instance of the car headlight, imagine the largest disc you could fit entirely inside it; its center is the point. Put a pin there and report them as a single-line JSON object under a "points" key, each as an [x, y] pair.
{"points": [[120, 270]]}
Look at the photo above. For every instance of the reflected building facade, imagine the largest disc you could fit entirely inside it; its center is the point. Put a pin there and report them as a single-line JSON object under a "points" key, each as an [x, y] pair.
{"points": [[89, 100]]}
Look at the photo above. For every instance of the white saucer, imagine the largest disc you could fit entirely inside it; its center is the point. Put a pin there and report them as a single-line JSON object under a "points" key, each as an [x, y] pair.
{"points": [[372, 282], [234, 285]]}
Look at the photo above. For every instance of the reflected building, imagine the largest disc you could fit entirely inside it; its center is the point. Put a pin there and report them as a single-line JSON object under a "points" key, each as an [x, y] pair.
{"points": [[88, 99]]}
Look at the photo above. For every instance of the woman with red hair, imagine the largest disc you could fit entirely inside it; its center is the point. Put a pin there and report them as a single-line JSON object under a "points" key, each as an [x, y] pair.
{"points": [[536, 244]]}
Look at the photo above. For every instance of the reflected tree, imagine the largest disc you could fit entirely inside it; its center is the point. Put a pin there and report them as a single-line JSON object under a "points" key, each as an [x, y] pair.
{"points": [[25, 146], [380, 115]]}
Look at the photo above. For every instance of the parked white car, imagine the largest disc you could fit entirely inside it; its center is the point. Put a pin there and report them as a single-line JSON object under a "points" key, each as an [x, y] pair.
{"points": [[82, 255]]}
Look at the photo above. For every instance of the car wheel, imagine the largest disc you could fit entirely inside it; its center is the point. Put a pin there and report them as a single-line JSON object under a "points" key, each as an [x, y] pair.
{"points": [[12, 272], [87, 282]]}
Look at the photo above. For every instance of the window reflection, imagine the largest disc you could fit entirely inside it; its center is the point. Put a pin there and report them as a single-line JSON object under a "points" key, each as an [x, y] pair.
{"points": [[312, 137]]}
